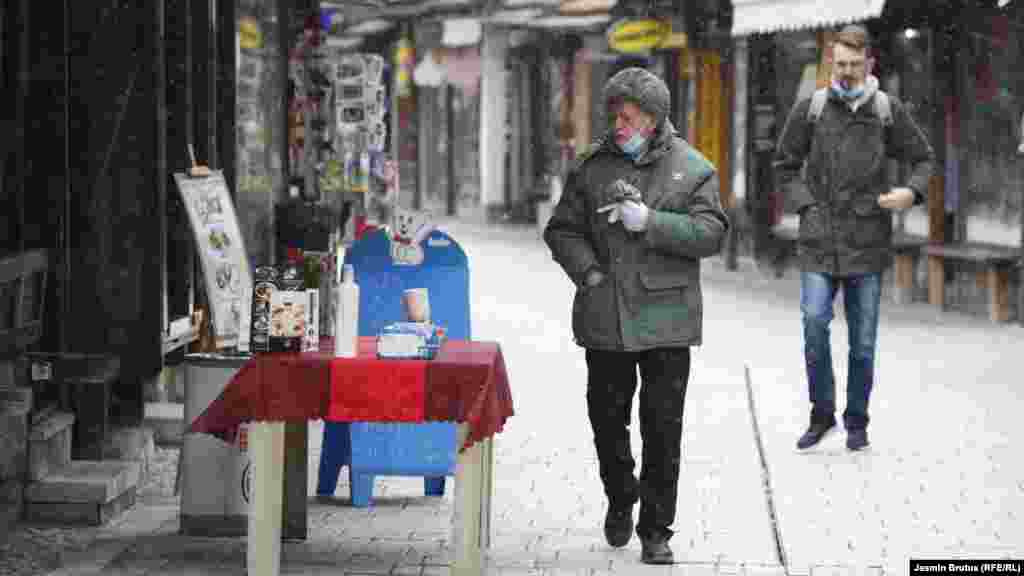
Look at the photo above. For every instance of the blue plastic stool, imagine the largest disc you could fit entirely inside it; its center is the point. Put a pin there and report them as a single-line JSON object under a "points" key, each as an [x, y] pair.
{"points": [[371, 449]]}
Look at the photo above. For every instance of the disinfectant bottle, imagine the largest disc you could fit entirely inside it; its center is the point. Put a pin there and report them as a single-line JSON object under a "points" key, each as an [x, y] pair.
{"points": [[346, 332]]}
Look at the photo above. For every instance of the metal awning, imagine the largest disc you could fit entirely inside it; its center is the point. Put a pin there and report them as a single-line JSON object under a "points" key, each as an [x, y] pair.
{"points": [[764, 16]]}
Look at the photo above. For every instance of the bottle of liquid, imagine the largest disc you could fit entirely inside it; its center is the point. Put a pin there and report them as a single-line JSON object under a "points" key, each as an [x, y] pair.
{"points": [[346, 331]]}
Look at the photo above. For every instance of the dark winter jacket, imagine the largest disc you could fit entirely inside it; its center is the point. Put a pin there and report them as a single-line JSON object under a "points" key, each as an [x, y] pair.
{"points": [[843, 230], [651, 294]]}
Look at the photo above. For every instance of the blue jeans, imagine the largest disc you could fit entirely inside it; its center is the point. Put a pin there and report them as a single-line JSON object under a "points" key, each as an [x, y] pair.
{"points": [[862, 296]]}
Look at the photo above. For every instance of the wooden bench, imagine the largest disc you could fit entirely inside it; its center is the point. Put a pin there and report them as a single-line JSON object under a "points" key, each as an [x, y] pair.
{"points": [[996, 261]]}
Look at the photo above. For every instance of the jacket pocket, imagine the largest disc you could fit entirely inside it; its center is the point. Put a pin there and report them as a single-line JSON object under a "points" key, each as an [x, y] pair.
{"points": [[595, 314], [812, 225], [870, 222]]}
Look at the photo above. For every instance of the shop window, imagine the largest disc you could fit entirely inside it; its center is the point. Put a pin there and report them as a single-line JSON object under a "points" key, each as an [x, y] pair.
{"points": [[994, 87], [796, 67], [259, 115]]}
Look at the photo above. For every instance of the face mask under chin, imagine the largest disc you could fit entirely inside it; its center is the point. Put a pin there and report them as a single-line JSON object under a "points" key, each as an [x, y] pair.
{"points": [[634, 145], [844, 88]]}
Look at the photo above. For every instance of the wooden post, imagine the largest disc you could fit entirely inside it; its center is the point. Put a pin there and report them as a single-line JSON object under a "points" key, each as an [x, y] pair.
{"points": [[936, 235], [266, 445], [471, 520], [998, 282], [296, 470], [903, 269], [493, 116], [825, 38], [582, 74]]}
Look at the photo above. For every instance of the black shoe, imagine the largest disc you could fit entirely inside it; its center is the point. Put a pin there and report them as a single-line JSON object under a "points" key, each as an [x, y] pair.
{"points": [[618, 525], [815, 433], [857, 439], [655, 550]]}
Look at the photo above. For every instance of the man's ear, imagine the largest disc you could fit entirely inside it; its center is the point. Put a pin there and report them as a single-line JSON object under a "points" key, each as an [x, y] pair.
{"points": [[869, 65]]}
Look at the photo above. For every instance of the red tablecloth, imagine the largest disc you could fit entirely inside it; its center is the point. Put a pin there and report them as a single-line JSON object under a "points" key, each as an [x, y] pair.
{"points": [[466, 382]]}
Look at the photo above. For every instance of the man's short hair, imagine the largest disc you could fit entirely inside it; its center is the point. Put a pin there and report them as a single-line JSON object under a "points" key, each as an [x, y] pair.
{"points": [[854, 36]]}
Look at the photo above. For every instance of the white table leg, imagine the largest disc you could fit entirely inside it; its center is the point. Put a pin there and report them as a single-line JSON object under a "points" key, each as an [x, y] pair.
{"points": [[266, 450], [471, 522]]}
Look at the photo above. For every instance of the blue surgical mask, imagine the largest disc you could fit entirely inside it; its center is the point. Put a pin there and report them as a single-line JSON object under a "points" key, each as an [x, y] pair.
{"points": [[634, 145], [851, 94]]}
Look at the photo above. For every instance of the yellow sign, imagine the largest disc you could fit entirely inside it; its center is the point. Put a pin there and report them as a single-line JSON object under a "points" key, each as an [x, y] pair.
{"points": [[632, 36], [250, 36]]}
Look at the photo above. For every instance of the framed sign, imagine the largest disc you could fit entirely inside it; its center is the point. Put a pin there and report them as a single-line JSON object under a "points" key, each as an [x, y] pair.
{"points": [[222, 254]]}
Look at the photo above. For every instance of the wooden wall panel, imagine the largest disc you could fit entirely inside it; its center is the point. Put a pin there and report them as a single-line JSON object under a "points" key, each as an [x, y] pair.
{"points": [[116, 233]]}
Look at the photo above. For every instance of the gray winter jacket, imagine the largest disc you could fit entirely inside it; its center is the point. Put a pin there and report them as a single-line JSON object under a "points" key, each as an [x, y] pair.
{"points": [[843, 230], [651, 294]]}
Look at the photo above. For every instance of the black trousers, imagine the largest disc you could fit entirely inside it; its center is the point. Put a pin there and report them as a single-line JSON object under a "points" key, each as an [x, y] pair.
{"points": [[611, 384]]}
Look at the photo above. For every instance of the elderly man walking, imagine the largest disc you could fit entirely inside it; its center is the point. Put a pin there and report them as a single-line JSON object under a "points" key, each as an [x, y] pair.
{"points": [[639, 210], [831, 165]]}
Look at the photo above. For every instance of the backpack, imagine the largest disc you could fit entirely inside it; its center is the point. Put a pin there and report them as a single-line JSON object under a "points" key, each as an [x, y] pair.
{"points": [[881, 100]]}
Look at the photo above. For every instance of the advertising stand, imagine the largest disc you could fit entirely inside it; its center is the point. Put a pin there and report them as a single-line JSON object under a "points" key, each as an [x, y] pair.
{"points": [[399, 449]]}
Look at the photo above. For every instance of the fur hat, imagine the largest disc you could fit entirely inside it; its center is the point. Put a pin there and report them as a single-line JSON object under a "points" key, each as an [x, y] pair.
{"points": [[642, 88]]}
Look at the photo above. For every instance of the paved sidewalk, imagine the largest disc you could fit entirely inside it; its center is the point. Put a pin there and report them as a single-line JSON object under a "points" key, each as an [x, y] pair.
{"points": [[941, 478]]}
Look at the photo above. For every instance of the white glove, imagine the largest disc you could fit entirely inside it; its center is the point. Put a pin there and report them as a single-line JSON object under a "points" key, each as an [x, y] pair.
{"points": [[613, 212], [634, 215]]}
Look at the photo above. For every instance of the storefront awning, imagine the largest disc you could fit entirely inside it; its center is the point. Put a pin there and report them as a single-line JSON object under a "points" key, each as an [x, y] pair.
{"points": [[764, 16]]}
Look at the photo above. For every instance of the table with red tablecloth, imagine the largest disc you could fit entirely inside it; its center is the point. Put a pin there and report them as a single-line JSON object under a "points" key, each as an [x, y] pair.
{"points": [[465, 383]]}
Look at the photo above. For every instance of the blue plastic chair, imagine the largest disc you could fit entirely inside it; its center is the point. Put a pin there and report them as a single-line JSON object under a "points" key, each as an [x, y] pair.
{"points": [[372, 449]]}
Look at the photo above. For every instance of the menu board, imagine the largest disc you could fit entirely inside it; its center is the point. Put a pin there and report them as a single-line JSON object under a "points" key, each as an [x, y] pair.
{"points": [[222, 254]]}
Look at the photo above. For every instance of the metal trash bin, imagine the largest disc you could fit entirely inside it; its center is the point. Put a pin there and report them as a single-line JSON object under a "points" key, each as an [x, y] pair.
{"points": [[215, 484]]}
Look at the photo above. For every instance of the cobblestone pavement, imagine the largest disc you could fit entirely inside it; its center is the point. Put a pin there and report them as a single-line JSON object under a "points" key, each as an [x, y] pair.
{"points": [[942, 478]]}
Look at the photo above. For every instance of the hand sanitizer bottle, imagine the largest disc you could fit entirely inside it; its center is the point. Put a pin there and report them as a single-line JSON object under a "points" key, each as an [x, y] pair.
{"points": [[346, 335]]}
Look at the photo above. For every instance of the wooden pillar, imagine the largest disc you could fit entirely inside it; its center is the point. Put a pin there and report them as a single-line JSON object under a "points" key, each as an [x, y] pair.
{"points": [[493, 110], [224, 133], [997, 282], [453, 184], [713, 109], [936, 235], [295, 514], [825, 38], [944, 144], [582, 74], [202, 95]]}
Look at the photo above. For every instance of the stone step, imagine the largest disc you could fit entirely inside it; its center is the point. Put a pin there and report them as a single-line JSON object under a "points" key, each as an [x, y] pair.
{"points": [[132, 444], [13, 448], [11, 506], [167, 420], [16, 397], [13, 441], [49, 445], [83, 492]]}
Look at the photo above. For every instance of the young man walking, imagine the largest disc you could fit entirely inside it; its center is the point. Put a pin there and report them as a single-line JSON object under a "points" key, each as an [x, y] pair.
{"points": [[638, 212], [831, 165]]}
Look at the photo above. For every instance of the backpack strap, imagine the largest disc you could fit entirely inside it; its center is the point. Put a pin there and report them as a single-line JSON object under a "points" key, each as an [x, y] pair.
{"points": [[883, 108], [818, 100]]}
